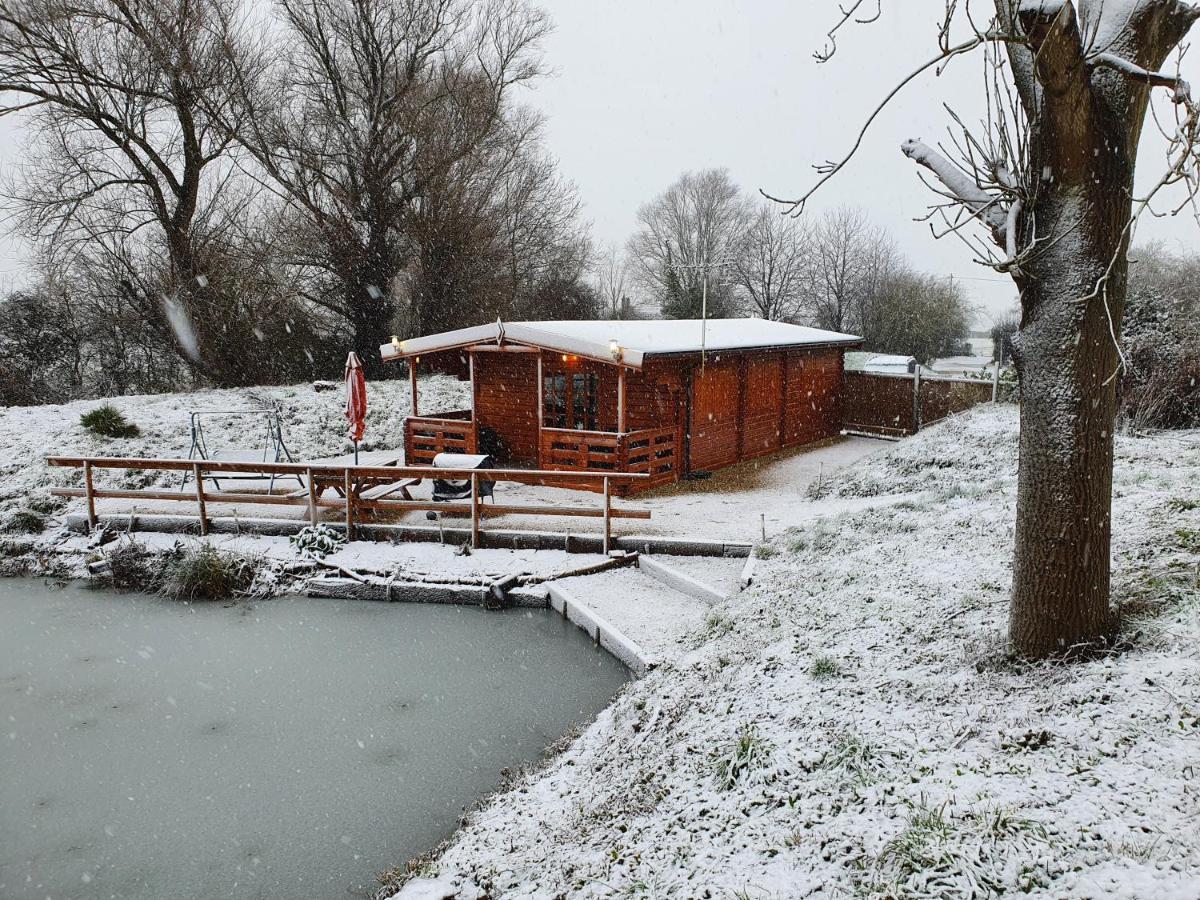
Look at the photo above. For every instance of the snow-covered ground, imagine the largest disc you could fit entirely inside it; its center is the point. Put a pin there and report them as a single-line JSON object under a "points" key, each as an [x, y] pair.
{"points": [[313, 426], [850, 725]]}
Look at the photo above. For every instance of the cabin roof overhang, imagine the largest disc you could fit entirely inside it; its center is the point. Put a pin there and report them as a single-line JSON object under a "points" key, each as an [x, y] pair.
{"points": [[626, 343]]}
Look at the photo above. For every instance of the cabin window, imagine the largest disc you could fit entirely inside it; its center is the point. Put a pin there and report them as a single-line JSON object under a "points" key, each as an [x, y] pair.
{"points": [[583, 401], [570, 401]]}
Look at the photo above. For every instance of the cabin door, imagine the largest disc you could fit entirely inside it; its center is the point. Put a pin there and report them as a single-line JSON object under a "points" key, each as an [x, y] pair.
{"points": [[713, 419]]}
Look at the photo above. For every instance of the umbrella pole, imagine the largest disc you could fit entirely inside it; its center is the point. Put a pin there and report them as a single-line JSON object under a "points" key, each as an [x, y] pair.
{"points": [[356, 453]]}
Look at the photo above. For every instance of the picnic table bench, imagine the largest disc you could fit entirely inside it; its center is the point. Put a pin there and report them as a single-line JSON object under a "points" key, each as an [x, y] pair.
{"points": [[370, 489]]}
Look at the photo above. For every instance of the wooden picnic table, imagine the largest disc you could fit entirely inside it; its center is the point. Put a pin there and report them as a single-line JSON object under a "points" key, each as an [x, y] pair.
{"points": [[373, 458]]}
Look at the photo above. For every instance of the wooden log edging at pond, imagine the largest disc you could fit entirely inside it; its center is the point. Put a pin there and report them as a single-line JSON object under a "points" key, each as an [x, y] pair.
{"points": [[352, 481]]}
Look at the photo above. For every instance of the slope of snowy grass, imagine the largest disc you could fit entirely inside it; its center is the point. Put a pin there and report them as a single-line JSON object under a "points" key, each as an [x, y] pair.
{"points": [[851, 726], [313, 426]]}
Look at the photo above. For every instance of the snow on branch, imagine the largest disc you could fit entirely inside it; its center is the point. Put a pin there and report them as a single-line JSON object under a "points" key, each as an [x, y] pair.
{"points": [[985, 206], [1181, 91]]}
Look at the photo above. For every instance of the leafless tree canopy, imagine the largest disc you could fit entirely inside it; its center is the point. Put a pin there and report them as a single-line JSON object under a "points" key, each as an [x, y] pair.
{"points": [[771, 265], [694, 227], [127, 170], [242, 182]]}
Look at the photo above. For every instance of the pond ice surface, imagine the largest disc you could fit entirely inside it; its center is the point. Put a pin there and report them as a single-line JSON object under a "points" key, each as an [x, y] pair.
{"points": [[292, 747]]}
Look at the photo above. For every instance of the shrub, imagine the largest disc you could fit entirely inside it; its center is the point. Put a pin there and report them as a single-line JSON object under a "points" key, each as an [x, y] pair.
{"points": [[131, 568], [206, 573], [44, 503], [824, 667], [108, 421], [25, 521], [317, 541]]}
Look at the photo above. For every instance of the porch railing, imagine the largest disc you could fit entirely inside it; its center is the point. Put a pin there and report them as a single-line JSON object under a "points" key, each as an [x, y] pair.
{"points": [[427, 436], [652, 452]]}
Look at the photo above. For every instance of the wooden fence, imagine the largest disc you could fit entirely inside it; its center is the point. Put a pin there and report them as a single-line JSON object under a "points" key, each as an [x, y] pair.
{"points": [[360, 489], [900, 405]]}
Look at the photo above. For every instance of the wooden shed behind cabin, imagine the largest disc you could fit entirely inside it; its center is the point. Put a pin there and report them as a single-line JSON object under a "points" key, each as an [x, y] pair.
{"points": [[663, 397]]}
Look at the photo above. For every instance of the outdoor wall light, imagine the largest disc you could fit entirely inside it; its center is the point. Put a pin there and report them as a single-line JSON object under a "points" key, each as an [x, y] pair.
{"points": [[397, 344], [615, 350]]}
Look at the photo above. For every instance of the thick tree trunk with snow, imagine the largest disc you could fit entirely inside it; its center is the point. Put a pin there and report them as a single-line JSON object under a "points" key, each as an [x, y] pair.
{"points": [[1083, 77], [1085, 121], [1067, 362]]}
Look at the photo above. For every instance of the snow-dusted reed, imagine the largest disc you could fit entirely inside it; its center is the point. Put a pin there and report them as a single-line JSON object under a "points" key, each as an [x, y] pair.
{"points": [[855, 728]]}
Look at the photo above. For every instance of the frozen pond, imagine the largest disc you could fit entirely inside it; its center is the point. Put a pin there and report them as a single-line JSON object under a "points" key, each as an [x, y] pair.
{"points": [[286, 748]]}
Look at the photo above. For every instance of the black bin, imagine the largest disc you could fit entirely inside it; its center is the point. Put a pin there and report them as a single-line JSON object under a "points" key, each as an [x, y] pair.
{"points": [[446, 489]]}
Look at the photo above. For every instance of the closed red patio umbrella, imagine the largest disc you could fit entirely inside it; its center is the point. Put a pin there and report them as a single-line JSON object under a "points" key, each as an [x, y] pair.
{"points": [[356, 400]]}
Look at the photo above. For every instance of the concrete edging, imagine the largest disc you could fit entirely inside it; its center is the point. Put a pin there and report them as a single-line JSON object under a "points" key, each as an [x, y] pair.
{"points": [[680, 581], [747, 576], [603, 633]]}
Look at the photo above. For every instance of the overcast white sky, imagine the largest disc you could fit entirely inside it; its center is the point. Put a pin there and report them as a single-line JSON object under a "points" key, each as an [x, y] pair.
{"points": [[645, 89]]}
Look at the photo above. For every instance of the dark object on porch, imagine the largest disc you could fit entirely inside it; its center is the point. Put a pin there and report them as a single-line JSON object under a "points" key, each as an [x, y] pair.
{"points": [[447, 489]]}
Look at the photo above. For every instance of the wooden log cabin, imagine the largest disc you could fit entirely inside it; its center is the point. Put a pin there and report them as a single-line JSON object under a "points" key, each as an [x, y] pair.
{"points": [[666, 398]]}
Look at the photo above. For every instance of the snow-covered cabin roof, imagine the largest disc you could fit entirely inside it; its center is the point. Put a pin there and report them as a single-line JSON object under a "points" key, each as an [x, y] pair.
{"points": [[883, 363], [627, 341]]}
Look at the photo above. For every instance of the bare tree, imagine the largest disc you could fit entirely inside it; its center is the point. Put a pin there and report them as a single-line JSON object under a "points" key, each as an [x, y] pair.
{"points": [[770, 264], [1050, 178], [851, 260], [126, 160], [492, 232], [613, 283], [686, 233], [368, 103]]}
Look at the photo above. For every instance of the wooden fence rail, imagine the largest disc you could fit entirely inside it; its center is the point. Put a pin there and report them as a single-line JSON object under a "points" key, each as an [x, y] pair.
{"points": [[351, 482]]}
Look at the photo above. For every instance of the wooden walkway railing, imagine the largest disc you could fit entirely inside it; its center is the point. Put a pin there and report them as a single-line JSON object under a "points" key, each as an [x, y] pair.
{"points": [[350, 482]]}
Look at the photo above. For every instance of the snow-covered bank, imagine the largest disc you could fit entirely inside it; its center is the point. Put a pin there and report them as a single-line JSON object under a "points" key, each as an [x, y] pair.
{"points": [[313, 426], [850, 724]]}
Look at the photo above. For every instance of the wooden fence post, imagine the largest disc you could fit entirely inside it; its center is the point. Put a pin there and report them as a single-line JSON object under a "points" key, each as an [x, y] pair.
{"points": [[348, 487], [312, 497], [996, 382], [91, 494], [474, 511], [607, 517], [196, 474]]}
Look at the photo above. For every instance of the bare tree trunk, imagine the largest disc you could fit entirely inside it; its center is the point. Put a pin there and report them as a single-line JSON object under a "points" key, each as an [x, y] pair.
{"points": [[1067, 364]]}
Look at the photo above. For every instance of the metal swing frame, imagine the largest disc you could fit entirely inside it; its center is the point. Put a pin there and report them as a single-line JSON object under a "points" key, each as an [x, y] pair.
{"points": [[274, 449]]}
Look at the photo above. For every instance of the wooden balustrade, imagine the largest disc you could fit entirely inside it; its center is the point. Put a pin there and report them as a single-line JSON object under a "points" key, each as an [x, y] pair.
{"points": [[427, 436], [351, 482], [654, 453]]}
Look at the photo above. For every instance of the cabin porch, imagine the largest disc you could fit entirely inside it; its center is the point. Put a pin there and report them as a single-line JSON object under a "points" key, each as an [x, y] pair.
{"points": [[555, 412]]}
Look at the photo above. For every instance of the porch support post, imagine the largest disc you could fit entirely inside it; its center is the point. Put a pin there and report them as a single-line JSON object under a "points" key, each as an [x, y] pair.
{"points": [[412, 377], [541, 411], [474, 445], [621, 399], [607, 517], [471, 369]]}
